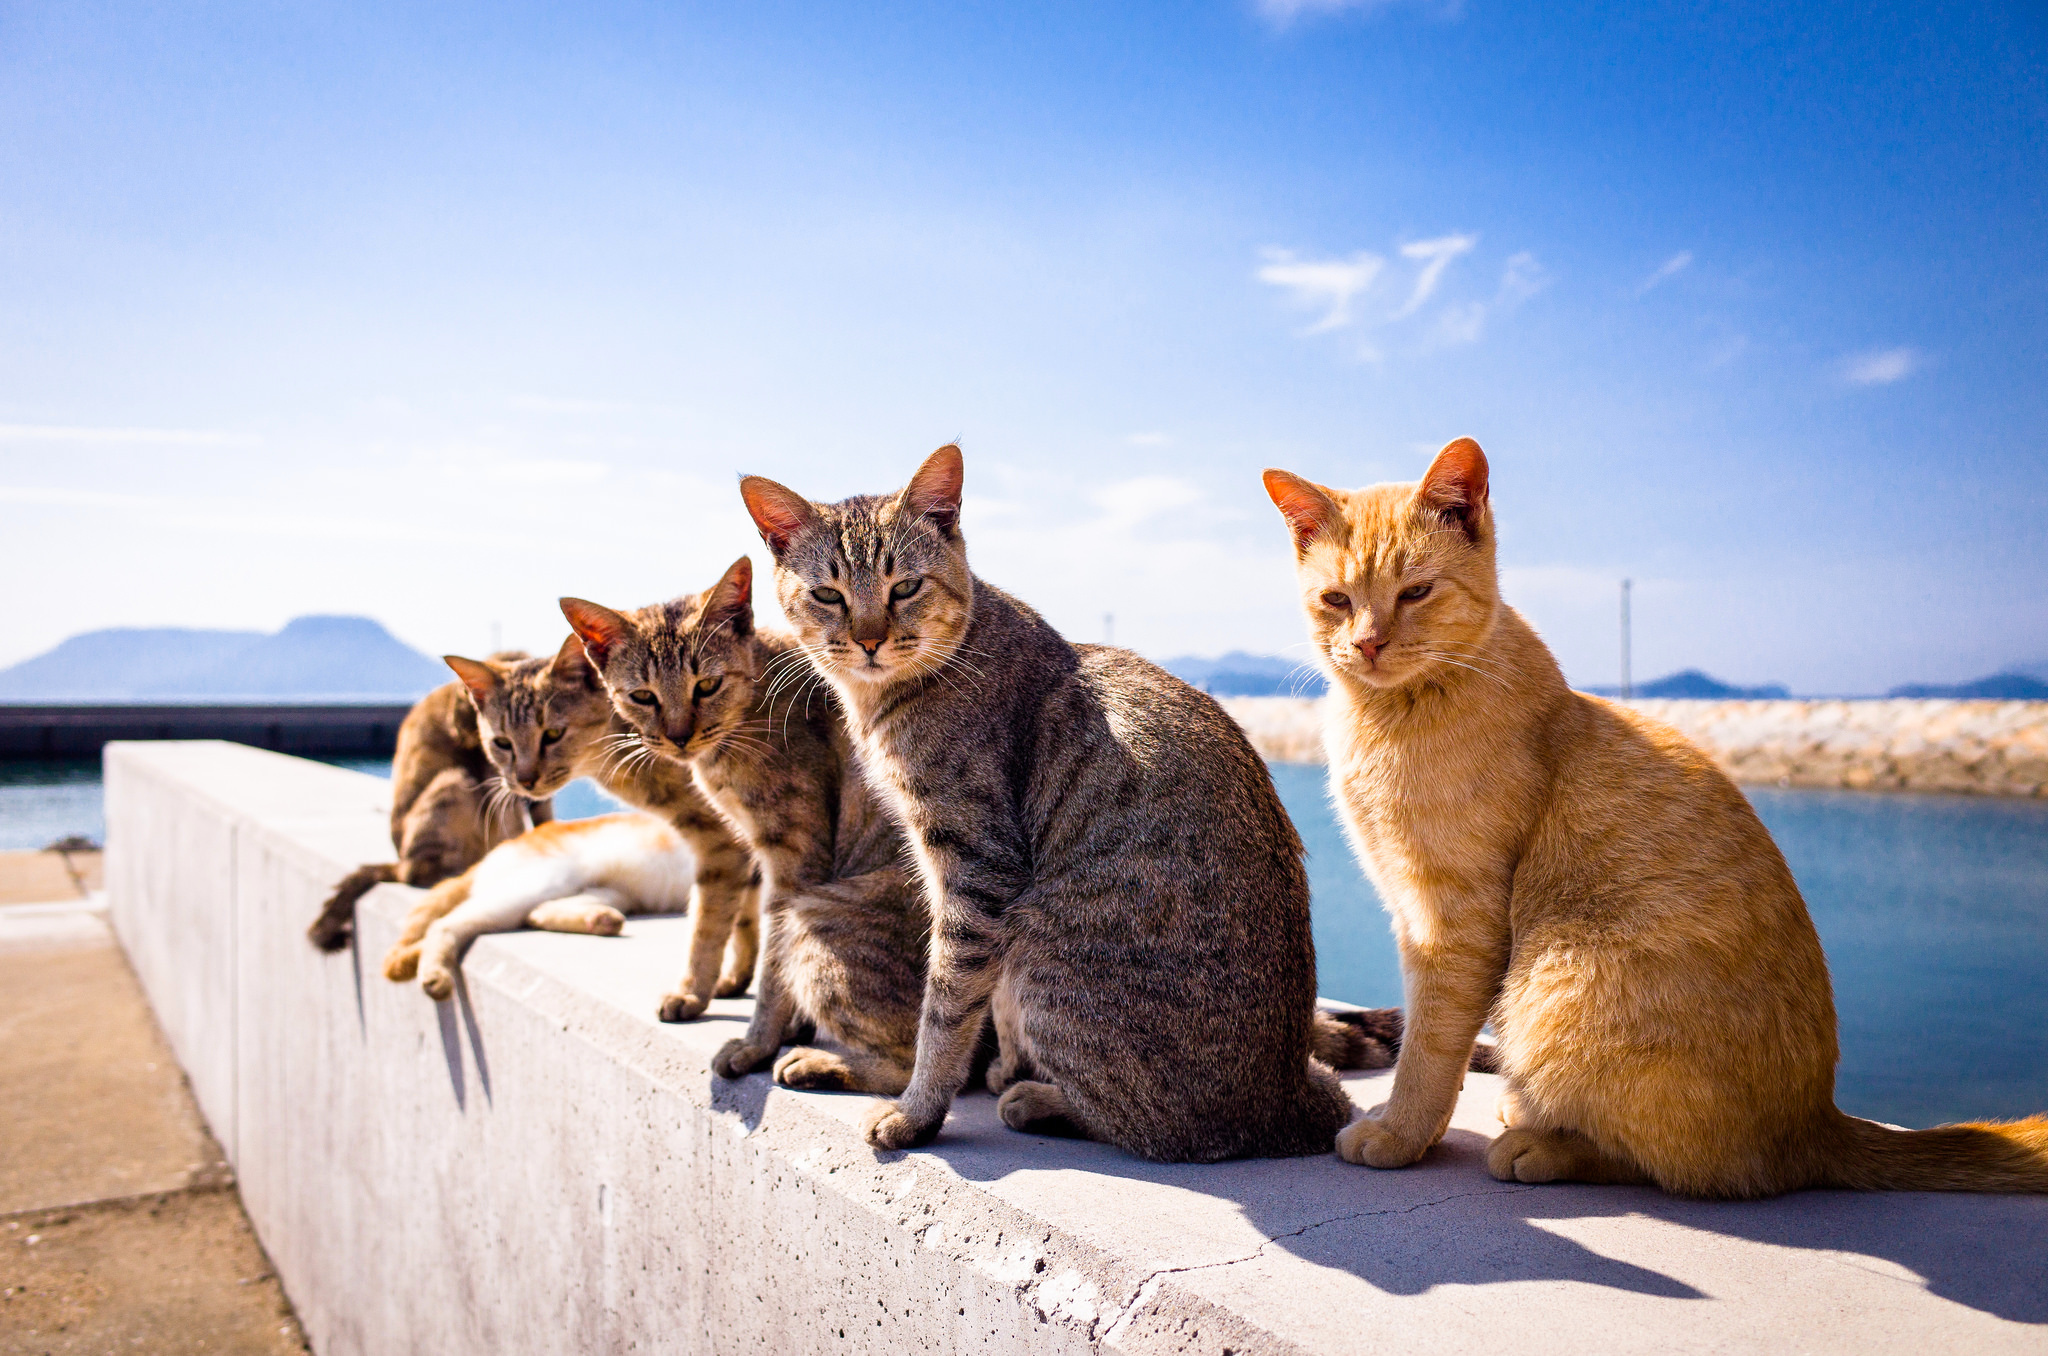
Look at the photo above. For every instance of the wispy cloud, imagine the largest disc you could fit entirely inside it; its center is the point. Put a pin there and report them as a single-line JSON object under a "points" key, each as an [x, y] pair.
{"points": [[75, 433], [1435, 256], [547, 471], [1353, 292], [1881, 367], [534, 404], [1153, 439], [1282, 13], [1669, 269], [1331, 283]]}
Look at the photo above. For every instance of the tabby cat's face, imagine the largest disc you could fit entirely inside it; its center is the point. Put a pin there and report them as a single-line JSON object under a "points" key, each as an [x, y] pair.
{"points": [[681, 673], [540, 719], [876, 587], [1397, 581]]}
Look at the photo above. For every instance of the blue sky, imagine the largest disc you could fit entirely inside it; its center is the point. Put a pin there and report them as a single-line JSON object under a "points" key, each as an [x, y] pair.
{"points": [[437, 315]]}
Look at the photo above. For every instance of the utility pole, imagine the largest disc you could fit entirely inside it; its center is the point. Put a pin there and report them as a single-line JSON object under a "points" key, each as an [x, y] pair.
{"points": [[1627, 690]]}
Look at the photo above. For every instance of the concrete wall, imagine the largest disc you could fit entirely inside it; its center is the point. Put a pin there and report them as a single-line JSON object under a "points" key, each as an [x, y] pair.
{"points": [[539, 1166]]}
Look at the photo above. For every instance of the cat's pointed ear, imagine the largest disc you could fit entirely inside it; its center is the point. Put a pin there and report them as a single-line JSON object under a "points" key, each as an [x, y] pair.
{"points": [[731, 600], [778, 511], [480, 678], [572, 667], [1456, 485], [1308, 508], [599, 628], [934, 492]]}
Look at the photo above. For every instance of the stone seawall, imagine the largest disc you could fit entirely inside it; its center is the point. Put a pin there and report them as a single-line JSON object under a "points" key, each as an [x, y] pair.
{"points": [[1982, 748]]}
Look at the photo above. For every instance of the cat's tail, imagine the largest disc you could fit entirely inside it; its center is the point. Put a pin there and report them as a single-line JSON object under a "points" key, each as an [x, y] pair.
{"points": [[1370, 1038], [1979, 1156], [337, 920]]}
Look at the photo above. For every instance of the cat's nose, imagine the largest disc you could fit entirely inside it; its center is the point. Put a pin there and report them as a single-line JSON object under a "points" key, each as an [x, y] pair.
{"points": [[869, 646], [1368, 646]]}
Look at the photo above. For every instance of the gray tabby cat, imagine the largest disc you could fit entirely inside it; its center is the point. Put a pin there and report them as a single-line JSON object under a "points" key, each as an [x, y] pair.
{"points": [[1110, 871], [844, 924], [546, 722]]}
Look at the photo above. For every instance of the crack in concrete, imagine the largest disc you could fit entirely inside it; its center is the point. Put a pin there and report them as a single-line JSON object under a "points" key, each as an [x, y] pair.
{"points": [[1154, 1279]]}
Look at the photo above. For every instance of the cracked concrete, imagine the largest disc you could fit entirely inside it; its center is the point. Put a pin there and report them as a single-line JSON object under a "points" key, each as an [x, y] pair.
{"points": [[539, 1165]]}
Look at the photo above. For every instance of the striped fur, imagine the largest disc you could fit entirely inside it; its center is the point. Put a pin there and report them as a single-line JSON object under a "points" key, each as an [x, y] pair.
{"points": [[844, 923], [1110, 872]]}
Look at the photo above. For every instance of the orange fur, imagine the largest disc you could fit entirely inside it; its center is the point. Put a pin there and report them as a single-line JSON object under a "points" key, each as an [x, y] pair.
{"points": [[1585, 877]]}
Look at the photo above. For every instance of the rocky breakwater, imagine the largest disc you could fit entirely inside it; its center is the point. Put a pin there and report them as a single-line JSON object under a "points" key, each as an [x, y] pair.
{"points": [[1977, 747]]}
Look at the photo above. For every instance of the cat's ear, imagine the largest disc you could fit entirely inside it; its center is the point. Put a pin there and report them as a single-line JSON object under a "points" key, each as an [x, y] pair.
{"points": [[1456, 485], [778, 511], [480, 678], [599, 628], [1310, 512], [731, 600], [572, 667], [934, 492]]}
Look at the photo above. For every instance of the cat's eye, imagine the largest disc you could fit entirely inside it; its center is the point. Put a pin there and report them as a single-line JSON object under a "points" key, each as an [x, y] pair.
{"points": [[553, 736], [829, 597], [642, 696], [707, 686], [502, 742], [1417, 593], [1337, 600], [906, 588]]}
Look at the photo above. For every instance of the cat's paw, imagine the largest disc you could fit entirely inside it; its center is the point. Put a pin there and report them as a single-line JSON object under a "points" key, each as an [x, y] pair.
{"points": [[736, 1058], [732, 986], [1530, 1156], [683, 1007], [1000, 1075], [439, 983], [885, 1127], [817, 1070], [401, 963], [1367, 1140]]}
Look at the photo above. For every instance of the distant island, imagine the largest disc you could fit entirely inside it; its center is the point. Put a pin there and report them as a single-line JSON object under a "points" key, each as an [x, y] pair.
{"points": [[311, 659], [1238, 674]]}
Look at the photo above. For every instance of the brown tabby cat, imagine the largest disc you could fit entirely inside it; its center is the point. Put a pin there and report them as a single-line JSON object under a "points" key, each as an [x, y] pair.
{"points": [[546, 722], [844, 923], [1109, 869], [1585, 877], [449, 806]]}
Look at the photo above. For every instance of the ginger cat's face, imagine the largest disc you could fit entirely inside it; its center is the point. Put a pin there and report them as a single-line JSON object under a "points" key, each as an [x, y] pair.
{"points": [[681, 673], [876, 587], [1398, 581], [539, 718]]}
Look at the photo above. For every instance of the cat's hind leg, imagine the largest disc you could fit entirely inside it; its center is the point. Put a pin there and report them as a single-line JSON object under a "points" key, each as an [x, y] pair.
{"points": [[1524, 1155], [599, 911], [441, 949], [820, 1070], [743, 947], [1034, 1108], [402, 961]]}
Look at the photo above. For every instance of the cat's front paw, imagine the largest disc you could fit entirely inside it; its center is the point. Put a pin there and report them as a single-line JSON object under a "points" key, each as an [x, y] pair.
{"points": [[885, 1127], [736, 1058], [439, 983], [733, 985], [683, 1007], [817, 1070], [401, 963], [1367, 1140]]}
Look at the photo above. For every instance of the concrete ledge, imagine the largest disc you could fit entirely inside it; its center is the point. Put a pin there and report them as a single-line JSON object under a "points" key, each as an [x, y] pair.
{"points": [[539, 1167]]}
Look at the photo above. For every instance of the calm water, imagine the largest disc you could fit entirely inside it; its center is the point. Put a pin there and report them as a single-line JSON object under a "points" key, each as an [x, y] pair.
{"points": [[1933, 909]]}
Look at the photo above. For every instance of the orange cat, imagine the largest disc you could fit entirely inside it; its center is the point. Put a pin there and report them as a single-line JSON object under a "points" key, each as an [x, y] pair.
{"points": [[1583, 877]]}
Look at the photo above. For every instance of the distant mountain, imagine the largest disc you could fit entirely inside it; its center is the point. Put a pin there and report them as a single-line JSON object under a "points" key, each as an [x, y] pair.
{"points": [[1694, 685], [352, 658], [2002, 687], [1238, 674]]}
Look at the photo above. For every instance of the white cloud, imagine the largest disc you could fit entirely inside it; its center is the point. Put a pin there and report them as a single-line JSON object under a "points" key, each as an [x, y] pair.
{"points": [[1667, 270], [1880, 367], [1334, 283], [1520, 279], [71, 433], [533, 404], [1458, 325], [1435, 256], [1149, 439], [548, 471], [1127, 503]]}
